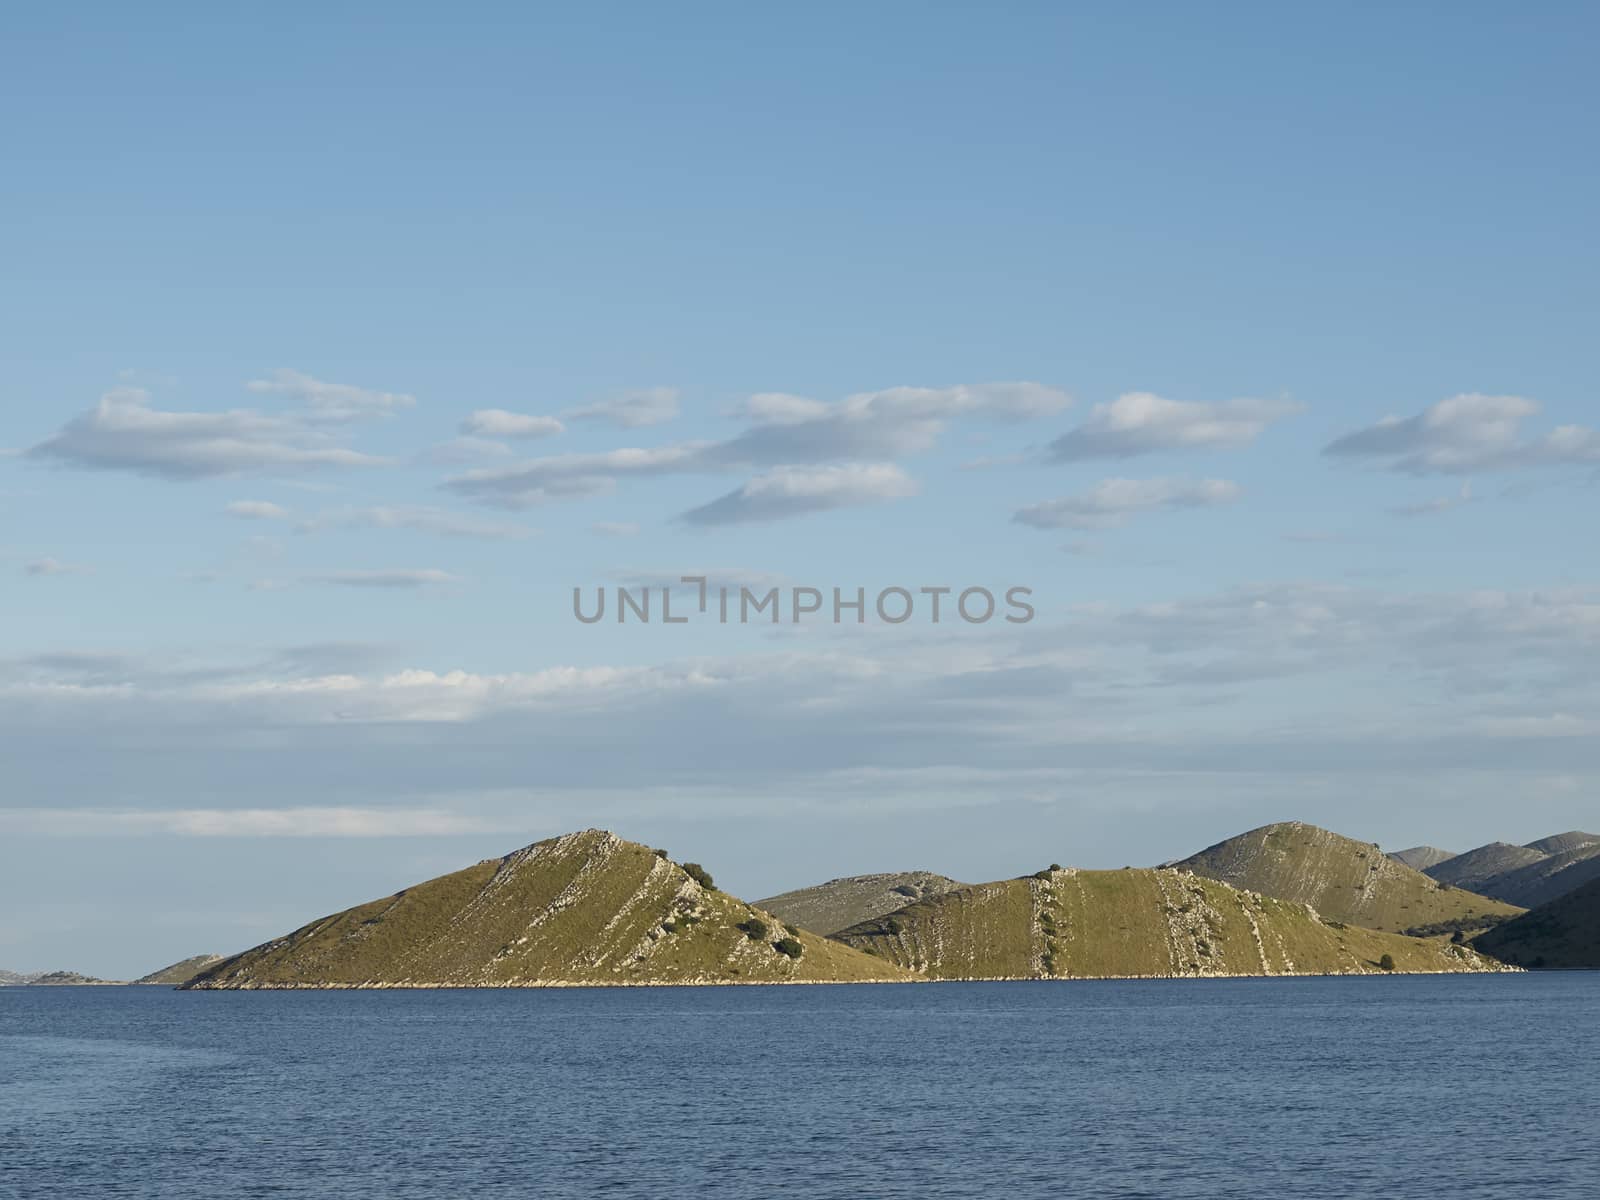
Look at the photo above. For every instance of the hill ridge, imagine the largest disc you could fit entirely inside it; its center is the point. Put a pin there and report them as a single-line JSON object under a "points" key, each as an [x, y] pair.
{"points": [[1343, 879], [583, 909], [1167, 923]]}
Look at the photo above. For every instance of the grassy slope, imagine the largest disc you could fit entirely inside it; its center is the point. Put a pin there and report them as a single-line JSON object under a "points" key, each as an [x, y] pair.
{"points": [[1344, 880], [1162, 922], [840, 903], [181, 972], [587, 908], [1563, 933]]}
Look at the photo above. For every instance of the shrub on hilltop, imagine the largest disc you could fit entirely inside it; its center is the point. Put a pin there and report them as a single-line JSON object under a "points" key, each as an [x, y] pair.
{"points": [[700, 875]]}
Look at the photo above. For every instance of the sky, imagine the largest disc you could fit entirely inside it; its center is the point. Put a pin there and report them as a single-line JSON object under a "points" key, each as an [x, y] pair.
{"points": [[339, 348]]}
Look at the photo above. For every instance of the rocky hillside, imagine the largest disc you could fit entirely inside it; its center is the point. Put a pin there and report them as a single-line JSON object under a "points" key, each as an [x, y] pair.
{"points": [[1344, 880], [587, 908], [1549, 878], [16, 978], [180, 972], [1420, 858], [1160, 922], [840, 903], [1561, 843], [1528, 875], [1563, 933], [1477, 868]]}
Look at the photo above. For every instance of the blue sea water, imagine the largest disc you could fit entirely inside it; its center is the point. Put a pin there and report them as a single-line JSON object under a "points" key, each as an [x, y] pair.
{"points": [[1459, 1086]]}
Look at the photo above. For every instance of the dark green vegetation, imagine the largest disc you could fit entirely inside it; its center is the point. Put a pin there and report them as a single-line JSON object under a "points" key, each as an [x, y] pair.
{"points": [[1344, 880], [1133, 922], [1459, 927], [840, 903], [587, 908], [1563, 933]]}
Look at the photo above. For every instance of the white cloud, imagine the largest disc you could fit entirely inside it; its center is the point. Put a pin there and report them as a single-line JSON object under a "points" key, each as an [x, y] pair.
{"points": [[257, 510], [336, 402], [498, 423], [1468, 432], [1142, 423], [1112, 503], [728, 578], [886, 424], [1439, 504], [621, 529], [421, 518], [1553, 725], [246, 822], [631, 410], [794, 491], [780, 408], [785, 431], [564, 476], [463, 451], [123, 432], [394, 578], [41, 567], [1311, 691]]}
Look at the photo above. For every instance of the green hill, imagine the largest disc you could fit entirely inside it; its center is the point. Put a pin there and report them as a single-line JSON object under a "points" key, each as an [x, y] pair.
{"points": [[180, 972], [1563, 933], [840, 903], [1134, 922], [1344, 880], [1420, 858], [587, 908]]}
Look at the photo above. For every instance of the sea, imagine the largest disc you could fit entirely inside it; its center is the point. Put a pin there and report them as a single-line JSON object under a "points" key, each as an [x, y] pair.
{"points": [[1396, 1086]]}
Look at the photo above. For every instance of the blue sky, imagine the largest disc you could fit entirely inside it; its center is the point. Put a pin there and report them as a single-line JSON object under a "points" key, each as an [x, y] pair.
{"points": [[324, 334]]}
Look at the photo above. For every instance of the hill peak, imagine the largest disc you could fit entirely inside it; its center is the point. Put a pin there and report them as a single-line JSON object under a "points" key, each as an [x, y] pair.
{"points": [[584, 908], [1343, 879], [1420, 858], [1562, 843]]}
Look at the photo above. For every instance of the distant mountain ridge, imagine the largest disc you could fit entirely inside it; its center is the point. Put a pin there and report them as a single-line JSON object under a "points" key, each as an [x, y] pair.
{"points": [[1420, 858], [1562, 843], [1477, 867], [1343, 879], [1528, 875], [837, 904]]}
